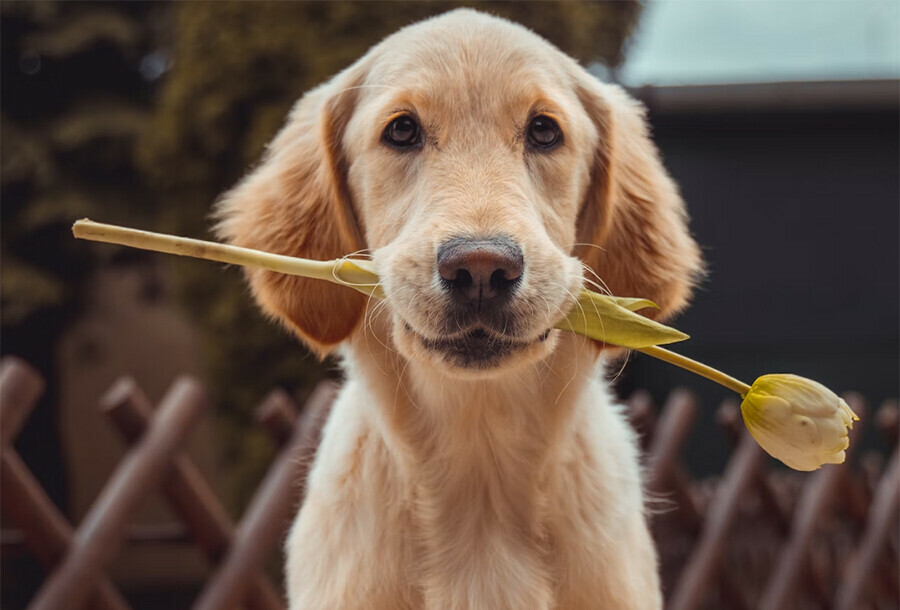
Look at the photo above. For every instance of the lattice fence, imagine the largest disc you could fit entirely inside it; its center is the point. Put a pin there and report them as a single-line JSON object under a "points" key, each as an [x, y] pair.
{"points": [[756, 537]]}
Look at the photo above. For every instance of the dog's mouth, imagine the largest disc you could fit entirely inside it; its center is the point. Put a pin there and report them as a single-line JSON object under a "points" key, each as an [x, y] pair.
{"points": [[477, 348]]}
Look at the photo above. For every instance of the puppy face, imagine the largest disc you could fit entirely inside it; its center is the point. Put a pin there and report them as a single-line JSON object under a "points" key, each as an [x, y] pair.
{"points": [[470, 155], [480, 167]]}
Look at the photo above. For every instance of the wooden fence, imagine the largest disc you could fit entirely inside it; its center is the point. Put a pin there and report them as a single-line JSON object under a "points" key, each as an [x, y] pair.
{"points": [[756, 537]]}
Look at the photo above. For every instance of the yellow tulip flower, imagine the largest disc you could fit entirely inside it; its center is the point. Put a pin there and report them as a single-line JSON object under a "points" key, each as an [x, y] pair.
{"points": [[798, 421]]}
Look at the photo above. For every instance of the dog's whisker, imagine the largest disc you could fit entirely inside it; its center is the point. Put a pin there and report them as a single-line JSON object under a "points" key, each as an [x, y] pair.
{"points": [[615, 377], [362, 252], [590, 245], [369, 330], [603, 288], [581, 345]]}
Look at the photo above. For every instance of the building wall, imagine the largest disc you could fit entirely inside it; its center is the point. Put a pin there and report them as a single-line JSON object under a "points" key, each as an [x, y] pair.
{"points": [[130, 327], [797, 213]]}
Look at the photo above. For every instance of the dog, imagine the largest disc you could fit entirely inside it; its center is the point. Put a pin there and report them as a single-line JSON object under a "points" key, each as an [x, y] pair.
{"points": [[475, 457]]}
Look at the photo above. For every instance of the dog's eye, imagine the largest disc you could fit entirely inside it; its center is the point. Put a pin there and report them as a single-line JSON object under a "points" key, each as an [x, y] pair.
{"points": [[402, 132], [543, 132]]}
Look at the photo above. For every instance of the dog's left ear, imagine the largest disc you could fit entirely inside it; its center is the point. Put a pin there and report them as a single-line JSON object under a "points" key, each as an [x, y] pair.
{"points": [[632, 209], [297, 203]]}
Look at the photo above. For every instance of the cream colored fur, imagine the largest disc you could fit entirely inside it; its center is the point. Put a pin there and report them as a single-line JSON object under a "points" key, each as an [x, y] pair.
{"points": [[438, 486]]}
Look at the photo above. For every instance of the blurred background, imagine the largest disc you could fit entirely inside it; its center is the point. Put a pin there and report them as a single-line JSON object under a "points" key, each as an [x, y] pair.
{"points": [[779, 120]]}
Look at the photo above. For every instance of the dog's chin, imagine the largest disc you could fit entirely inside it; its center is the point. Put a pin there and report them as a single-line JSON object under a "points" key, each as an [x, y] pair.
{"points": [[477, 353]]}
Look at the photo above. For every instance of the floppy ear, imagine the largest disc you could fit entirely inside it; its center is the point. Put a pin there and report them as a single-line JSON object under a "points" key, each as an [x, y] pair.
{"points": [[297, 203], [632, 209]]}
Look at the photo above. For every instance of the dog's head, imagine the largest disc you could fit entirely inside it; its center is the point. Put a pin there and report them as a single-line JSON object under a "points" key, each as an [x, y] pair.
{"points": [[487, 174]]}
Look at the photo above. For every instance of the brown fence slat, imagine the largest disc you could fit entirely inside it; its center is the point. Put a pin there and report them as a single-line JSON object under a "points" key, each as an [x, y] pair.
{"points": [[888, 420], [642, 416], [20, 387], [665, 473], [882, 517], [704, 562], [12, 541], [186, 490], [136, 477], [672, 429], [270, 510], [278, 415], [239, 552], [46, 531], [818, 495], [729, 417]]}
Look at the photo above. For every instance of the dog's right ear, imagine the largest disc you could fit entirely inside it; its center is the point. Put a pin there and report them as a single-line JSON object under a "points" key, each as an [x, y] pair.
{"points": [[297, 203], [633, 211]]}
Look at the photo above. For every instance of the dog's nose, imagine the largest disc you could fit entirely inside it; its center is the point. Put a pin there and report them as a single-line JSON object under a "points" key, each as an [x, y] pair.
{"points": [[480, 272]]}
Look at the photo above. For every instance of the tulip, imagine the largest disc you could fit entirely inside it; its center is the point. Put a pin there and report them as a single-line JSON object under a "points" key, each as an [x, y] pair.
{"points": [[796, 420]]}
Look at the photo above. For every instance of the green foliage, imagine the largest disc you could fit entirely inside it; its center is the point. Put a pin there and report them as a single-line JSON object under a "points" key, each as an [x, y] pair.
{"points": [[73, 108]]}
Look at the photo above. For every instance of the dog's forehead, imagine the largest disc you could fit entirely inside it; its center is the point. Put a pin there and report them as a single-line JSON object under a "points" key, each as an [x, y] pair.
{"points": [[465, 60]]}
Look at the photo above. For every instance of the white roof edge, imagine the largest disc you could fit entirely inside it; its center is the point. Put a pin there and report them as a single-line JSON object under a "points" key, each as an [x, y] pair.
{"points": [[870, 94]]}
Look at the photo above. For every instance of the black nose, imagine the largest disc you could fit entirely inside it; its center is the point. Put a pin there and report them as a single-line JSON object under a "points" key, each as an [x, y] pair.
{"points": [[480, 273]]}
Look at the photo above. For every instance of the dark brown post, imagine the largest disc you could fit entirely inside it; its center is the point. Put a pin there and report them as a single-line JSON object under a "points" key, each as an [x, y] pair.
{"points": [[268, 515], [816, 499], [136, 477], [186, 490]]}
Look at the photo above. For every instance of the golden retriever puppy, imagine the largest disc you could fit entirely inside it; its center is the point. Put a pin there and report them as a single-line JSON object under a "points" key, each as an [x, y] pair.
{"points": [[475, 457]]}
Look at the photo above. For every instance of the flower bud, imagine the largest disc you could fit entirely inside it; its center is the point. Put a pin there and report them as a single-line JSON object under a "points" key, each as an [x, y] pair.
{"points": [[798, 421]]}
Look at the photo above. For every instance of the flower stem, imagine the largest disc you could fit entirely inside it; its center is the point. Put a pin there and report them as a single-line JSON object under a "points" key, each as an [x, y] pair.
{"points": [[697, 367], [183, 246]]}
